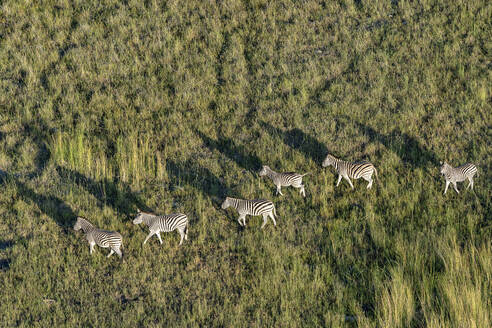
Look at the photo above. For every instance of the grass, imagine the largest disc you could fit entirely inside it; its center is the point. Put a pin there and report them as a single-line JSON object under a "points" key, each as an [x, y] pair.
{"points": [[171, 106]]}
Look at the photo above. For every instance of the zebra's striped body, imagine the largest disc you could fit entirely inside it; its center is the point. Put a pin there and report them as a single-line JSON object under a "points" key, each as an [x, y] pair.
{"points": [[284, 179], [254, 207], [164, 223], [349, 170], [458, 174], [101, 238]]}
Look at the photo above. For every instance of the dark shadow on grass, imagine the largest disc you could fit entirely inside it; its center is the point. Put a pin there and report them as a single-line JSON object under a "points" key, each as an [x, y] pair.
{"points": [[4, 244], [355, 267], [196, 176], [114, 193], [408, 148], [3, 176], [4, 264], [299, 140], [39, 133], [238, 154], [50, 205]]}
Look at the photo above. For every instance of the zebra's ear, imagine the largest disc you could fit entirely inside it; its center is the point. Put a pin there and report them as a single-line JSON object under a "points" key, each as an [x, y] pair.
{"points": [[440, 162], [138, 210]]}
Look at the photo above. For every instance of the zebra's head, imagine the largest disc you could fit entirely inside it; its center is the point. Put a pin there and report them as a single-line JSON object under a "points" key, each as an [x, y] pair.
{"points": [[444, 167], [78, 224], [264, 170], [139, 218], [329, 160], [226, 203]]}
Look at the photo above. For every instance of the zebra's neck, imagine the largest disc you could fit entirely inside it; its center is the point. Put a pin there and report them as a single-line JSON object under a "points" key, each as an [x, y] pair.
{"points": [[337, 162], [234, 202], [86, 226], [449, 170], [148, 219], [271, 173]]}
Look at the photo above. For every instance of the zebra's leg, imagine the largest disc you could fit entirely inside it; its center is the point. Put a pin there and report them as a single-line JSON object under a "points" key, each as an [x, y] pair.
{"points": [[300, 186], [91, 247], [118, 251], [159, 236], [446, 188], [303, 191], [181, 233], [110, 253], [470, 183], [455, 187], [279, 191], [150, 235], [273, 218], [350, 182], [242, 217], [368, 179], [339, 179], [265, 218]]}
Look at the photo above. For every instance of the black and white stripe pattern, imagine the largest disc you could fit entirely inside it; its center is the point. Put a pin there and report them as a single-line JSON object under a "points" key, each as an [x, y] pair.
{"points": [[285, 179], [349, 170], [102, 238], [458, 174], [254, 207], [164, 223]]}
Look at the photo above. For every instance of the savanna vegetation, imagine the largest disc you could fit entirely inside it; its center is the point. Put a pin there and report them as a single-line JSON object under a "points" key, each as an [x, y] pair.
{"points": [[170, 106]]}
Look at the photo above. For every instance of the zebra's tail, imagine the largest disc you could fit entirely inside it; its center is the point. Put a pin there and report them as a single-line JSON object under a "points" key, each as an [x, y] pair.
{"points": [[186, 232], [121, 250], [121, 241], [274, 211], [308, 173]]}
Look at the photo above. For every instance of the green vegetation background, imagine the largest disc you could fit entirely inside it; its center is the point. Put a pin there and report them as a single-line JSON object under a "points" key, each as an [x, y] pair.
{"points": [[106, 106]]}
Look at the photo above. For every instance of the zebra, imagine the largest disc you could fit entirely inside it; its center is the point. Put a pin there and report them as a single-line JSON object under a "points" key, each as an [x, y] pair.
{"points": [[165, 223], [349, 170], [102, 238], [284, 179], [458, 174], [254, 207]]}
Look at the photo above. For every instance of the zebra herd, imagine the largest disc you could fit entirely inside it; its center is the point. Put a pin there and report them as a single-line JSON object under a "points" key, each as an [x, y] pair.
{"points": [[256, 207]]}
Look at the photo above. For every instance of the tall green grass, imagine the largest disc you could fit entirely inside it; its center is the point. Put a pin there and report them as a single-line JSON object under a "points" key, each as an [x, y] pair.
{"points": [[171, 106]]}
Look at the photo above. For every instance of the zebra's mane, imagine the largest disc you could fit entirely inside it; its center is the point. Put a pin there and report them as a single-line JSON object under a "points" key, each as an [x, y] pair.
{"points": [[85, 224], [149, 217]]}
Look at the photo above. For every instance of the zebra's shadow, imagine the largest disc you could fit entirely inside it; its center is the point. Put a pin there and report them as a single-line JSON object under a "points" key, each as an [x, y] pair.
{"points": [[299, 140], [230, 149], [4, 264], [199, 177], [4, 244], [54, 207], [405, 146], [114, 193], [50, 205]]}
